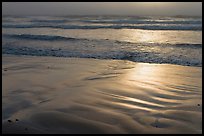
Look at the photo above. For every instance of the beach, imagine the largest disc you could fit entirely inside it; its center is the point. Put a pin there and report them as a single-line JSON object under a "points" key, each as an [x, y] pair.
{"points": [[84, 95], [102, 74]]}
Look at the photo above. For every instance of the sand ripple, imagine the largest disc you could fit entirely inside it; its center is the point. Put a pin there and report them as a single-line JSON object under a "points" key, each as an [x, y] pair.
{"points": [[100, 96]]}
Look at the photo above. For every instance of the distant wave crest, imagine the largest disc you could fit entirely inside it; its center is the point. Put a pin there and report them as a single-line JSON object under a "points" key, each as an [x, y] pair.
{"points": [[41, 37], [146, 27]]}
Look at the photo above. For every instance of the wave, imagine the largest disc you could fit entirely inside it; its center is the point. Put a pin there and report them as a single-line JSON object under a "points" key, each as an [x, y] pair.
{"points": [[120, 21], [135, 56], [110, 19], [50, 21], [63, 38], [145, 27], [41, 37], [143, 21]]}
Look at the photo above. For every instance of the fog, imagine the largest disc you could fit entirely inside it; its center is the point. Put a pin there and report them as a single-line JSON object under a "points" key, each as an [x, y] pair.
{"points": [[102, 8]]}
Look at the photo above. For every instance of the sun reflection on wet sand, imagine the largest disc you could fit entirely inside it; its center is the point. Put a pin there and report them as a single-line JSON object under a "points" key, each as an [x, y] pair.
{"points": [[146, 72], [157, 75], [132, 97], [164, 83]]}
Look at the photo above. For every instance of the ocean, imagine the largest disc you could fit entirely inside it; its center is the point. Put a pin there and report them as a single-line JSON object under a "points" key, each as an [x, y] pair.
{"points": [[149, 39]]}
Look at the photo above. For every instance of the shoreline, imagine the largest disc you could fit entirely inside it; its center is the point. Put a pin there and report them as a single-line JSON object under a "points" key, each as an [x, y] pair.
{"points": [[151, 63]]}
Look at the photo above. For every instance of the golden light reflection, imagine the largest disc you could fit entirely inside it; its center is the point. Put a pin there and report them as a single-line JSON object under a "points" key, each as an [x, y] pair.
{"points": [[130, 99], [144, 36], [148, 37], [132, 106], [151, 36], [146, 72], [152, 77], [155, 78]]}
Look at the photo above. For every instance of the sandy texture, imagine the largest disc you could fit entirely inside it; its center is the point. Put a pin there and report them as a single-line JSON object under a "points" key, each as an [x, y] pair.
{"points": [[71, 95]]}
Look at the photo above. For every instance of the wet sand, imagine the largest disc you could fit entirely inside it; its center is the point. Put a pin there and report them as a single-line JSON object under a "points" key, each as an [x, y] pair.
{"points": [[75, 95]]}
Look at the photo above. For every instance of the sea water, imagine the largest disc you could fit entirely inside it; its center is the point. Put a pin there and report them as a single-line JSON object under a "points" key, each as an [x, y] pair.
{"points": [[149, 39]]}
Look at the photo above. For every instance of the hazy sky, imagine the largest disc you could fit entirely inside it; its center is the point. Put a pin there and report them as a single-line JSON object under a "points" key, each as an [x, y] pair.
{"points": [[102, 8]]}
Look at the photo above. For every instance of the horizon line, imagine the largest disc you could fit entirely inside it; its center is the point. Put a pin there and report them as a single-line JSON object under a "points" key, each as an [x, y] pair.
{"points": [[179, 15]]}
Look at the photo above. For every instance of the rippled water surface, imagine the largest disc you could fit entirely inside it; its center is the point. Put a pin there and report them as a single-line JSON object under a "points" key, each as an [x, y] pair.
{"points": [[172, 40]]}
